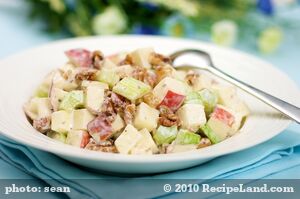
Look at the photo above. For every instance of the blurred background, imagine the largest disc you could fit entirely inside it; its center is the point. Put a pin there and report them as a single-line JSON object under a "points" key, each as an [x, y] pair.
{"points": [[269, 29]]}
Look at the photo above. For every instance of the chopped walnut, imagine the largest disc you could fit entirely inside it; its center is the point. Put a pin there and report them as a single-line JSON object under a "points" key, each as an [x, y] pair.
{"points": [[191, 77], [126, 61], [151, 99], [97, 59], [167, 117], [129, 113], [163, 71], [42, 124], [106, 146], [86, 74], [204, 142], [158, 59], [119, 102], [145, 76]]}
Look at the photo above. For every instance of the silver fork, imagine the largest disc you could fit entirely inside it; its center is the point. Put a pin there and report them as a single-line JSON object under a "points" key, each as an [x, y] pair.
{"points": [[286, 108]]}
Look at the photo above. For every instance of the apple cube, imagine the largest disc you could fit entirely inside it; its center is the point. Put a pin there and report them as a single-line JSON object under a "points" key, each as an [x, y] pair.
{"points": [[219, 126], [229, 98], [202, 82], [100, 128], [44, 87], [145, 145], [94, 97], [78, 138], [170, 92], [192, 116], [38, 108], [43, 107], [72, 100], [128, 139], [107, 63], [179, 148], [117, 124], [87, 83], [60, 121], [79, 57], [59, 82], [56, 97], [146, 117], [140, 57], [81, 118], [222, 114], [57, 136]]}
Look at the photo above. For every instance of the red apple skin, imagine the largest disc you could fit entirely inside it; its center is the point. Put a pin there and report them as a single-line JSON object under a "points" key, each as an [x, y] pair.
{"points": [[85, 139], [223, 115], [101, 127], [172, 100], [80, 57]]}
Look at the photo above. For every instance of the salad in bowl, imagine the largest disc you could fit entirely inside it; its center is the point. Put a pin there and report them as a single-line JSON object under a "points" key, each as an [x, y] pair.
{"points": [[133, 103]]}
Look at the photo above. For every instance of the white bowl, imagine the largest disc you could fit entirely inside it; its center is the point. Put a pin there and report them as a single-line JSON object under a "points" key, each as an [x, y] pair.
{"points": [[21, 73]]}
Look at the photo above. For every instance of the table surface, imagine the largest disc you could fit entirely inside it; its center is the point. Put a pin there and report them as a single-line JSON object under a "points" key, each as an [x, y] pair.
{"points": [[17, 33]]}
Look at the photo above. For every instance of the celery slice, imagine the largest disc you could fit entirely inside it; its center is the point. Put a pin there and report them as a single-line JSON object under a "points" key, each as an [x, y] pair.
{"points": [[72, 100], [214, 138], [209, 100], [108, 76], [165, 135], [187, 137], [131, 88], [193, 98]]}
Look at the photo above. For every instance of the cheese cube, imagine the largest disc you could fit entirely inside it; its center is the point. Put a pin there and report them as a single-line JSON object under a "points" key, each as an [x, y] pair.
{"points": [[80, 119], [117, 124], [192, 116], [60, 121], [145, 145], [94, 97], [128, 139], [169, 84], [146, 117]]}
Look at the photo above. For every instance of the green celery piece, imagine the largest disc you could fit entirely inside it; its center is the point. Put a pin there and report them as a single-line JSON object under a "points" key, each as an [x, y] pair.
{"points": [[57, 136], [165, 135], [209, 100], [131, 88], [193, 98], [187, 137], [41, 91], [72, 100], [210, 134], [108, 76]]}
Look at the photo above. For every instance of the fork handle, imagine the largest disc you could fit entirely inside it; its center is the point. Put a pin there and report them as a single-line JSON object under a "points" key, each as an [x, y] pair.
{"points": [[286, 108]]}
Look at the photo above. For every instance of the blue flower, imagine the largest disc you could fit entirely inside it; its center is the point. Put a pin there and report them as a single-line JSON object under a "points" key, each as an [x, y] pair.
{"points": [[178, 26], [265, 6], [150, 6], [144, 29]]}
